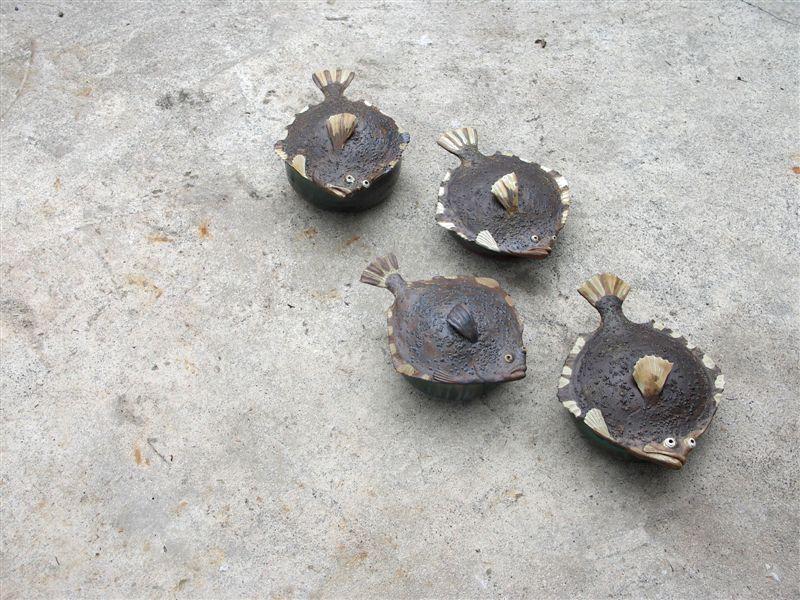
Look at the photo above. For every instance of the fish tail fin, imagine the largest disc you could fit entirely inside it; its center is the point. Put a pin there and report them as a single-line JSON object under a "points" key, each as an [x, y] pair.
{"points": [[461, 142], [602, 285], [332, 81], [380, 270]]}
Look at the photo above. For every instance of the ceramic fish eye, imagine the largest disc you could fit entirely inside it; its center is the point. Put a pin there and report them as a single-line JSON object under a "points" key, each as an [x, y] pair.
{"points": [[640, 389], [492, 203], [328, 142], [444, 332]]}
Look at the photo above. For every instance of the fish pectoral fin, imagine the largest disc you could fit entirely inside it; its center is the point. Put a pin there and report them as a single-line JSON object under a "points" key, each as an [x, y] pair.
{"points": [[443, 377], [463, 322]]}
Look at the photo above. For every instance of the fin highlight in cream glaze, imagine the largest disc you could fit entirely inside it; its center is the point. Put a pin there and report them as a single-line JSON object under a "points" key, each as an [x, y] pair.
{"points": [[650, 374], [602, 285], [340, 127], [461, 142], [506, 192], [332, 81]]}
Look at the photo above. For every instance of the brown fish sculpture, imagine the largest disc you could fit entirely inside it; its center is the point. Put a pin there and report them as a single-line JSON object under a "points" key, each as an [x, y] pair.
{"points": [[500, 205], [453, 337], [640, 389], [340, 154]]}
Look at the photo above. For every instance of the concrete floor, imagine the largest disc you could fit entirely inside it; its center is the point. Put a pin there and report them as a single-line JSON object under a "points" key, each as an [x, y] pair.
{"points": [[197, 398]]}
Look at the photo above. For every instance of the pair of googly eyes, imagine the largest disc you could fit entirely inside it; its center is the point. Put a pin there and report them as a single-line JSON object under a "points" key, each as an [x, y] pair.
{"points": [[535, 238], [351, 179], [671, 443]]}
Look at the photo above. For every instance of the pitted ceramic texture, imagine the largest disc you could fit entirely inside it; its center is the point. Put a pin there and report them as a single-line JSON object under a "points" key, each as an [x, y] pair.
{"points": [[469, 197], [601, 378], [427, 342], [370, 151]]}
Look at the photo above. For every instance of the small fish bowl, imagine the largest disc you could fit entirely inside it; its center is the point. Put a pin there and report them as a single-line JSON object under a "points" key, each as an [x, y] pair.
{"points": [[500, 205], [342, 155], [639, 390], [451, 337]]}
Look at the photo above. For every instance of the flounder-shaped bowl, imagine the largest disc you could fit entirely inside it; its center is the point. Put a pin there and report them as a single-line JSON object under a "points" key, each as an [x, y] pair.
{"points": [[451, 337], [340, 154], [640, 390], [500, 205]]}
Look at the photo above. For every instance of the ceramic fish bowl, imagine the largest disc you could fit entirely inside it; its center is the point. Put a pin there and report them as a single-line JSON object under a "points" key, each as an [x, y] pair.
{"points": [[639, 389], [500, 205], [452, 337], [340, 154]]}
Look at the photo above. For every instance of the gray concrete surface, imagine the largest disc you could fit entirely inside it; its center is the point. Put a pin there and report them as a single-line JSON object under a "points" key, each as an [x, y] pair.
{"points": [[197, 399]]}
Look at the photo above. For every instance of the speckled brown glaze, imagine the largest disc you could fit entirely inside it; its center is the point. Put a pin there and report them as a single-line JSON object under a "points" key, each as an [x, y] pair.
{"points": [[423, 325], [598, 387], [372, 150], [467, 206]]}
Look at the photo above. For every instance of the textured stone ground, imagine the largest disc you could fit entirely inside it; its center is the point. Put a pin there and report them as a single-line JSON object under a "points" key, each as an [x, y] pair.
{"points": [[197, 399]]}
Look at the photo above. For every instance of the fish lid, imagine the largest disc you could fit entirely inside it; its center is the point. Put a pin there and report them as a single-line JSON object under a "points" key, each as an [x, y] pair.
{"points": [[450, 330], [640, 386], [502, 203], [459, 330], [341, 145]]}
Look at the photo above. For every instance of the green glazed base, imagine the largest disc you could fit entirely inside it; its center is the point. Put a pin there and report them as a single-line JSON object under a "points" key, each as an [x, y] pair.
{"points": [[604, 444], [361, 200], [451, 391]]}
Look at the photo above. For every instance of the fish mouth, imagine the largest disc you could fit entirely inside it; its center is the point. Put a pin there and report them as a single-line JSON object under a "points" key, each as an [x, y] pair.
{"points": [[517, 374], [673, 461], [534, 252]]}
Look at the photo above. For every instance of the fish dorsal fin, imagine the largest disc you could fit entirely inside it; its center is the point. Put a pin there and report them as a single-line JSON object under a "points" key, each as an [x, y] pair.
{"points": [[461, 142], [602, 285], [463, 322], [332, 82], [650, 374], [340, 128], [506, 192]]}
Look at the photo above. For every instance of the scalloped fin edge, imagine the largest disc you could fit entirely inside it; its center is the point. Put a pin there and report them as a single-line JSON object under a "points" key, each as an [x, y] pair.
{"points": [[594, 419], [506, 192], [459, 141], [327, 77], [379, 270], [602, 285], [340, 127], [650, 373]]}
